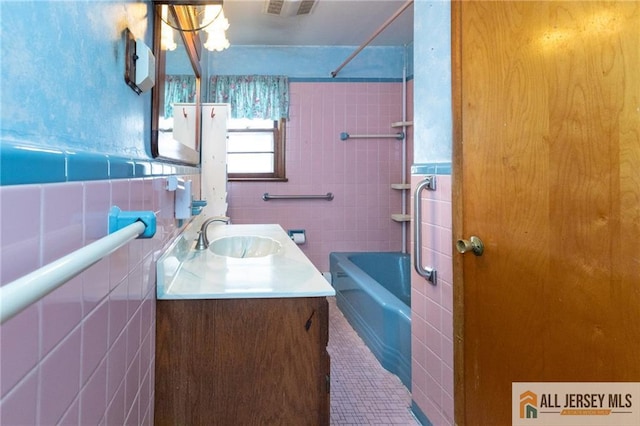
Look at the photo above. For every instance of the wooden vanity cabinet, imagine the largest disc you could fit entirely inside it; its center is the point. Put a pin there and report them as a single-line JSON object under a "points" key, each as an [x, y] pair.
{"points": [[242, 362]]}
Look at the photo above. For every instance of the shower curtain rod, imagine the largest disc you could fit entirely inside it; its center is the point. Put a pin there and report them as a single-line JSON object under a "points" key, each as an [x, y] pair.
{"points": [[375, 34]]}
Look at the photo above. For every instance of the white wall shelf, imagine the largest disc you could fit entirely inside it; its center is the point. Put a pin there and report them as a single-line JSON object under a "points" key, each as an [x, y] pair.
{"points": [[402, 123], [401, 186], [401, 217]]}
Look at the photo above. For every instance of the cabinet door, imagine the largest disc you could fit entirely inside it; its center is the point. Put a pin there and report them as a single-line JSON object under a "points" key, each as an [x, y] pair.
{"points": [[242, 362]]}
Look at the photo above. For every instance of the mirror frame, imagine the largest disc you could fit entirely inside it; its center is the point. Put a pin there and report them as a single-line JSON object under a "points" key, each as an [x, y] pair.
{"points": [[174, 151]]}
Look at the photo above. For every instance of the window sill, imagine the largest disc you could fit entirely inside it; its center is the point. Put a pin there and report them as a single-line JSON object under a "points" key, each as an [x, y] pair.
{"points": [[256, 179]]}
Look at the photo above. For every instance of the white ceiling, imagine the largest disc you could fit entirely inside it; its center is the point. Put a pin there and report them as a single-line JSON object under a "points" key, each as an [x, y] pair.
{"points": [[331, 23]]}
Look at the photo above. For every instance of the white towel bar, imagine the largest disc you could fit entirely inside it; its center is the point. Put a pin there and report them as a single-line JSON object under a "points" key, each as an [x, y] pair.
{"points": [[19, 294]]}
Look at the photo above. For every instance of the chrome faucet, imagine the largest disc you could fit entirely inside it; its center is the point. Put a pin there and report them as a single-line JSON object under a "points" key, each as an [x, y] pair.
{"points": [[203, 241]]}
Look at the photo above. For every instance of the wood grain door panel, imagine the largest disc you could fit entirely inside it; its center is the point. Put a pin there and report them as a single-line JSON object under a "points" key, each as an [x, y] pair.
{"points": [[547, 173]]}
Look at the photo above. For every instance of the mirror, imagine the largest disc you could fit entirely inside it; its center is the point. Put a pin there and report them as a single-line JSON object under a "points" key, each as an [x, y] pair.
{"points": [[175, 128]]}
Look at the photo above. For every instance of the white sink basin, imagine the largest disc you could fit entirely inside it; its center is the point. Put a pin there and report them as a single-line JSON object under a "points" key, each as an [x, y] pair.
{"points": [[272, 266], [244, 246]]}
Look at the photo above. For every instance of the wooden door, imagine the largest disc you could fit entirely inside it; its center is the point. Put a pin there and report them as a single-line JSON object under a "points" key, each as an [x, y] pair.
{"points": [[547, 174]]}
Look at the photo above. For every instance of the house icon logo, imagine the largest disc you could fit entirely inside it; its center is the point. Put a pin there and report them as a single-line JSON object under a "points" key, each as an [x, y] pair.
{"points": [[528, 405]]}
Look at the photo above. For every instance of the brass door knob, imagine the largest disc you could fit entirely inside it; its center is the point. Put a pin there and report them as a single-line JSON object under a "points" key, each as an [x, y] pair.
{"points": [[473, 244]]}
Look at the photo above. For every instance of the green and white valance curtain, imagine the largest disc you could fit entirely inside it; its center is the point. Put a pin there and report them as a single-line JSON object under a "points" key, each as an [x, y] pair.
{"points": [[178, 89], [252, 96]]}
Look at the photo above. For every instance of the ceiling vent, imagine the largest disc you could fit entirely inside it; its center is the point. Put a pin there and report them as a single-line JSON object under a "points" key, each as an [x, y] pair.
{"points": [[306, 6], [289, 7], [274, 7]]}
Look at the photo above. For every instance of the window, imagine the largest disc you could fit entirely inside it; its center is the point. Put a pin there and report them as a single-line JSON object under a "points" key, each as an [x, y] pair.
{"points": [[255, 149]]}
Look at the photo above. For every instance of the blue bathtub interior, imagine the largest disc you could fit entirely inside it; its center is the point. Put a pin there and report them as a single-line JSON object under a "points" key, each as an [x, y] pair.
{"points": [[373, 291], [391, 270]]}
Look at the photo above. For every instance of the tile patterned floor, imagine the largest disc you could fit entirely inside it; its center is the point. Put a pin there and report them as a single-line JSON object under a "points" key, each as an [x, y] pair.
{"points": [[362, 392]]}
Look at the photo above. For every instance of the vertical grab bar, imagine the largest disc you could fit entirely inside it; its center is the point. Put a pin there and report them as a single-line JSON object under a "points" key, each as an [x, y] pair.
{"points": [[429, 273]]}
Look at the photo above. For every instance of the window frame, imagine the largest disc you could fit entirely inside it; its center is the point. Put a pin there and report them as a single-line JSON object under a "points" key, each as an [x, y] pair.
{"points": [[279, 143]]}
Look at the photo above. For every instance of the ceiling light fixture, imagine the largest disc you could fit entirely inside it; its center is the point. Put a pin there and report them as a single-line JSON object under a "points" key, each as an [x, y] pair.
{"points": [[212, 21], [166, 32], [215, 25]]}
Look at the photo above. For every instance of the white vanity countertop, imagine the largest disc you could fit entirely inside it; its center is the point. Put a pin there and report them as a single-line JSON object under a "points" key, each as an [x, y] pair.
{"points": [[185, 273]]}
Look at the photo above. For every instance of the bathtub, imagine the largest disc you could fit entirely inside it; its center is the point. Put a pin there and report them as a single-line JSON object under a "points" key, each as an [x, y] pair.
{"points": [[373, 291]]}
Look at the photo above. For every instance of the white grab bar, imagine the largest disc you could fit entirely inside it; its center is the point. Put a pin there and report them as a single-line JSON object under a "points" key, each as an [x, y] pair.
{"points": [[328, 196], [19, 294], [344, 136], [429, 273]]}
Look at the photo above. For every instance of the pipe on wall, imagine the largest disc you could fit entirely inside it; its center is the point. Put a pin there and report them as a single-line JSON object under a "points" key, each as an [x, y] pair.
{"points": [[373, 36]]}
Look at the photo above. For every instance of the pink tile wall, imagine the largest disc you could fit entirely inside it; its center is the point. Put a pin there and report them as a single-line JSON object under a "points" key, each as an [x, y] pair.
{"points": [[84, 354], [432, 308], [358, 172]]}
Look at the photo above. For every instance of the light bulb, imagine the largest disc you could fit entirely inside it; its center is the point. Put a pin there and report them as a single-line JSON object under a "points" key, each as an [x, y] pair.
{"points": [[217, 41], [166, 33], [211, 12]]}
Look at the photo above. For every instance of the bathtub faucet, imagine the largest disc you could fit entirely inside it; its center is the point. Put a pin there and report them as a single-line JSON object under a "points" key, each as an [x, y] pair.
{"points": [[203, 241]]}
